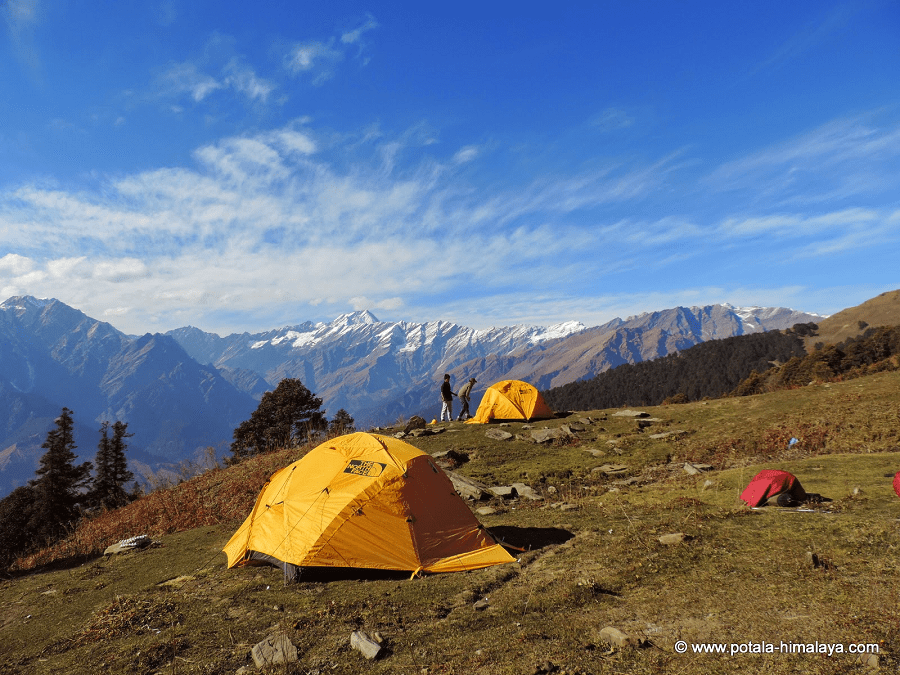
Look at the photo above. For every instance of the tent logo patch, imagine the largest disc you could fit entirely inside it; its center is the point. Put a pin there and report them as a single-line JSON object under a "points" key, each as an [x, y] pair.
{"points": [[364, 468]]}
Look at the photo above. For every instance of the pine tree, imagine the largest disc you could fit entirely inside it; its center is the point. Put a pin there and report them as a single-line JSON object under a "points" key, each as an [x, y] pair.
{"points": [[119, 466], [58, 490], [107, 488], [342, 423]]}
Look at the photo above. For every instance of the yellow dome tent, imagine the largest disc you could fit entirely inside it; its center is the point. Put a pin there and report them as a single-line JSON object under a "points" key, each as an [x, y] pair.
{"points": [[364, 500], [511, 400]]}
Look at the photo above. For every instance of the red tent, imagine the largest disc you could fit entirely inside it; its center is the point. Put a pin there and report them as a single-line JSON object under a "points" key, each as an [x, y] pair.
{"points": [[897, 483], [771, 483]]}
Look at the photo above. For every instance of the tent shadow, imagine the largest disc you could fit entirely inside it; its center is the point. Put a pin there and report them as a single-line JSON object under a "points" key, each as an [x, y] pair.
{"points": [[320, 575], [530, 538]]}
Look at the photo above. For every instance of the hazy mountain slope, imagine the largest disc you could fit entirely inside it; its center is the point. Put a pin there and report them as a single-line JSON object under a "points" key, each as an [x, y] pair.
{"points": [[587, 353], [52, 356]]}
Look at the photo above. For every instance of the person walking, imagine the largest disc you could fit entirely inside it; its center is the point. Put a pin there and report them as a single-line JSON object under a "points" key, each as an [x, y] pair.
{"points": [[447, 399], [465, 395]]}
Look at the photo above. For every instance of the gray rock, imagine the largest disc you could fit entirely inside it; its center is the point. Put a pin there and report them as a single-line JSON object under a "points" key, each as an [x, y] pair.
{"points": [[415, 422], [498, 434], [631, 413], [365, 644], [674, 539], [611, 469], [504, 491], [548, 435], [694, 468], [274, 649], [481, 605], [668, 434], [526, 492], [572, 428], [616, 637], [467, 488], [485, 511]]}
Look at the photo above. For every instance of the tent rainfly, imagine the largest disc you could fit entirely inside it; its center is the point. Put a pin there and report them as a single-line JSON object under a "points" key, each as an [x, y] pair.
{"points": [[366, 501], [511, 400], [771, 483]]}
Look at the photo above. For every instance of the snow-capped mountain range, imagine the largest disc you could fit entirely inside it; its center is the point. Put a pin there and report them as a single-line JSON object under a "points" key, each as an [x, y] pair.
{"points": [[189, 389]]}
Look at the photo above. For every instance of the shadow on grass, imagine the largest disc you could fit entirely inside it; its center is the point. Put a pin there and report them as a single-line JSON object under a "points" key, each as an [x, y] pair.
{"points": [[530, 538]]}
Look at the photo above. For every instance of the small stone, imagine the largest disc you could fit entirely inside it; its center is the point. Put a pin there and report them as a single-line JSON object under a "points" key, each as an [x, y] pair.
{"points": [[486, 511], [869, 661], [498, 434], [694, 468], [616, 637], [631, 413], [365, 645], [481, 605], [674, 539]]}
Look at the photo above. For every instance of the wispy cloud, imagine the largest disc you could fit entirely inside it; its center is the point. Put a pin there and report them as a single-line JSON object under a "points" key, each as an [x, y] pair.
{"points": [[22, 18], [319, 59], [354, 36], [811, 36], [844, 158]]}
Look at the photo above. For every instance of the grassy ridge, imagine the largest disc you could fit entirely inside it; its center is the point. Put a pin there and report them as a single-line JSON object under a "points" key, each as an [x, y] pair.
{"points": [[595, 559]]}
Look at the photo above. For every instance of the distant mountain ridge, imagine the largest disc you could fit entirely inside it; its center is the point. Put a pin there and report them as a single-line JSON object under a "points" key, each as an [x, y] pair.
{"points": [[52, 355], [189, 389], [379, 371]]}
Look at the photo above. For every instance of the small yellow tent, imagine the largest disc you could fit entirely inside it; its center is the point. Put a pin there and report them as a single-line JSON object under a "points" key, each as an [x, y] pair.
{"points": [[364, 500], [511, 400]]}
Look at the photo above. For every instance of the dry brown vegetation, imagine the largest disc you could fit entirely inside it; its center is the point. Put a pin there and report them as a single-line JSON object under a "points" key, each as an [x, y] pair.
{"points": [[594, 559]]}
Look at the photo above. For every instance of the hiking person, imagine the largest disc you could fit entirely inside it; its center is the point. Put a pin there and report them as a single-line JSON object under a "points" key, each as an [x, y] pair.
{"points": [[447, 399], [465, 396]]}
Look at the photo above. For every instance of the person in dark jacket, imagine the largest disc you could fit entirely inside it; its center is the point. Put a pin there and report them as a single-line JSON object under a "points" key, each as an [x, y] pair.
{"points": [[447, 399], [465, 395]]}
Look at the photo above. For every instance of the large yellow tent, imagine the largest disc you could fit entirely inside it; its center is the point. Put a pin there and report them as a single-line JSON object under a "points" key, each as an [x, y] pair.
{"points": [[511, 400], [364, 500]]}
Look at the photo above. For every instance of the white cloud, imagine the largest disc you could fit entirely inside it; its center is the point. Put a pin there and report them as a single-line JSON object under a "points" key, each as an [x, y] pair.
{"points": [[313, 57], [612, 119], [244, 81], [13, 264], [466, 154], [353, 36]]}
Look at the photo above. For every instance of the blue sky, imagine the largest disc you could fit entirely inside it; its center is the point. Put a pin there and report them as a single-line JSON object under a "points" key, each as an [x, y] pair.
{"points": [[243, 167]]}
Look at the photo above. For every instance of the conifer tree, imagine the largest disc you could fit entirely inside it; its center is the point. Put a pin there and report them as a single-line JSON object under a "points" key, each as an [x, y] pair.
{"points": [[341, 423], [58, 489], [108, 486], [288, 415]]}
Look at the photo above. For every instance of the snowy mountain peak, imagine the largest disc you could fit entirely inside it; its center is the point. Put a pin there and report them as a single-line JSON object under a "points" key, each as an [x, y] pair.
{"points": [[361, 317], [23, 302]]}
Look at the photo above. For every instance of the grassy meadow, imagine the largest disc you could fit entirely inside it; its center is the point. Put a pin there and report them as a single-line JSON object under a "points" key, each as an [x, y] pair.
{"points": [[592, 558]]}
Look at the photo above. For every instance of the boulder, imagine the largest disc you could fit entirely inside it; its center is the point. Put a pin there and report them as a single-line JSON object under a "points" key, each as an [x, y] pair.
{"points": [[467, 488], [526, 492], [498, 434], [631, 413], [548, 435], [274, 649], [365, 644], [415, 422]]}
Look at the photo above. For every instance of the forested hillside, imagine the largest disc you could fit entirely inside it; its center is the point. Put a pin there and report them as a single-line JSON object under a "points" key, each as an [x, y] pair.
{"points": [[708, 369], [741, 366]]}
